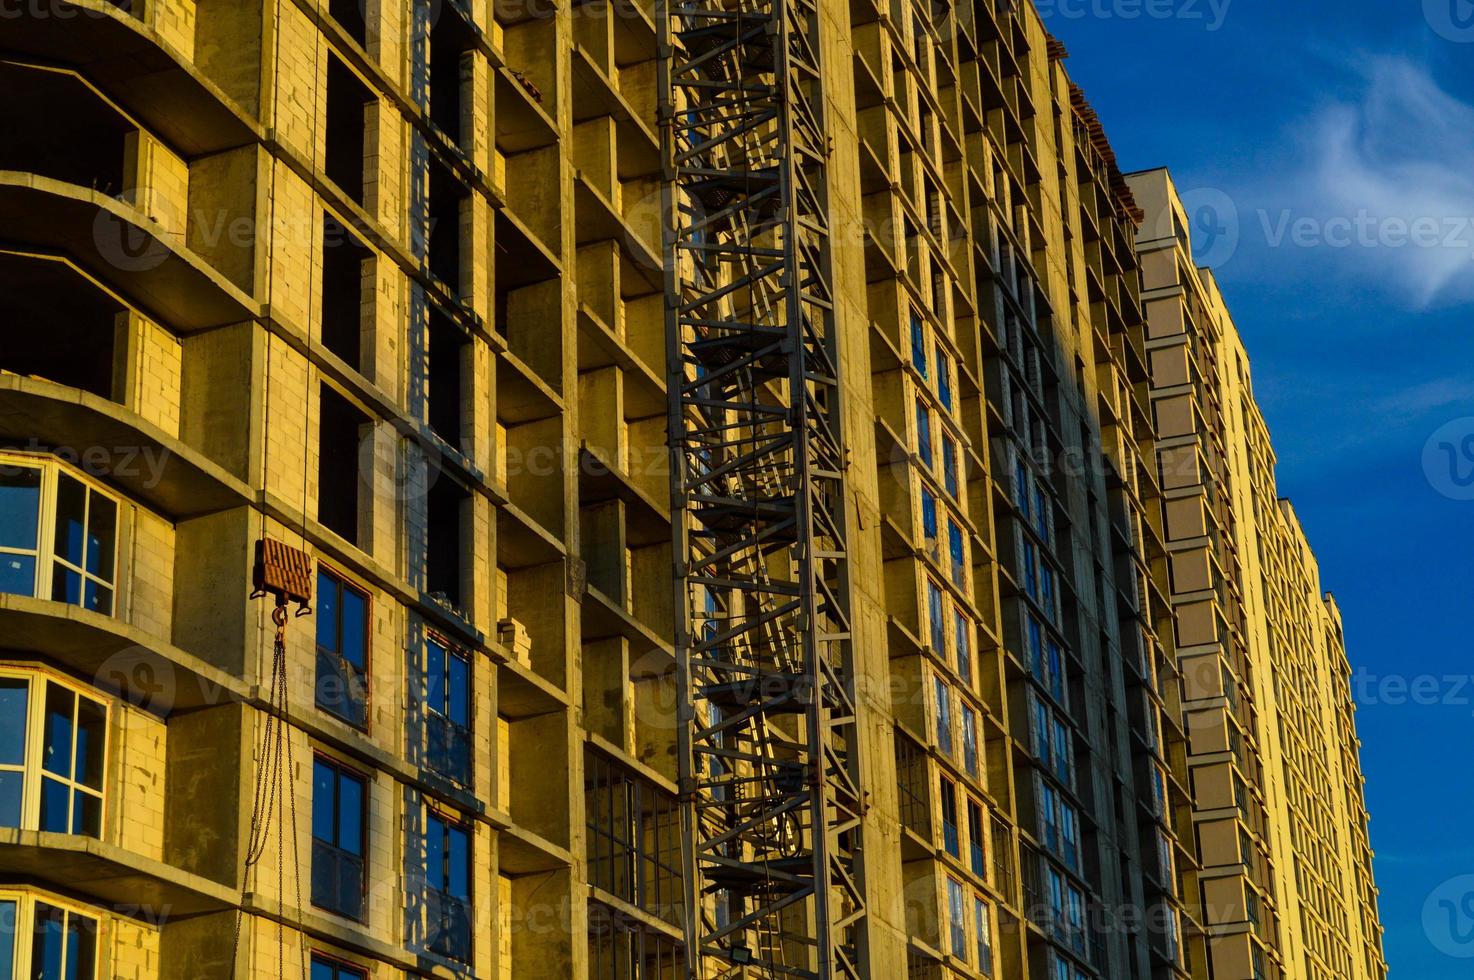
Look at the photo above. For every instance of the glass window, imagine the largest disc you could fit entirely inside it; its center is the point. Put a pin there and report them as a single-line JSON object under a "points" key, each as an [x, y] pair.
{"points": [[1036, 649], [928, 515], [949, 465], [958, 545], [84, 546], [338, 814], [951, 840], [60, 545], [977, 849], [944, 379], [944, 716], [342, 649], [956, 916], [74, 736], [937, 611], [923, 433], [1069, 824], [327, 968], [982, 924], [1061, 739], [53, 754], [962, 629], [9, 915], [448, 887], [918, 343], [63, 944], [970, 740], [448, 714], [20, 523]]}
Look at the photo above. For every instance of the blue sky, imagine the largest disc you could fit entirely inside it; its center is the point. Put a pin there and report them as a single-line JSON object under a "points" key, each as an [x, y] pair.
{"points": [[1282, 116]]}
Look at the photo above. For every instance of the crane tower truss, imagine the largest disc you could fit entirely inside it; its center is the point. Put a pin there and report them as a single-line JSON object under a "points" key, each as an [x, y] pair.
{"points": [[770, 778]]}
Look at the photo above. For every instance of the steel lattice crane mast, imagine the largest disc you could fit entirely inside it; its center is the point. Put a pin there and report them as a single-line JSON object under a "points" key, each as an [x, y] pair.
{"points": [[770, 776]]}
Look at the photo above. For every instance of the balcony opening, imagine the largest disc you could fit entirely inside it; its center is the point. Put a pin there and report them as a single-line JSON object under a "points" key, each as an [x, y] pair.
{"points": [[444, 559], [344, 156], [59, 327], [344, 268], [59, 127], [447, 348], [444, 251], [349, 15], [450, 41], [341, 432]]}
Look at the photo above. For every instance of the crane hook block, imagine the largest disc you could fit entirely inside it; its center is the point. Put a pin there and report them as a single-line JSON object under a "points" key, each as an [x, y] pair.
{"points": [[283, 572]]}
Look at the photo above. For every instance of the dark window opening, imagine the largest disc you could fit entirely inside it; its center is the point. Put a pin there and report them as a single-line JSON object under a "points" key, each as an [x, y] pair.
{"points": [[450, 40], [633, 838], [343, 268], [444, 253], [342, 650], [444, 503], [58, 326], [58, 127], [346, 98], [339, 803], [341, 431], [621, 948], [446, 350], [349, 15]]}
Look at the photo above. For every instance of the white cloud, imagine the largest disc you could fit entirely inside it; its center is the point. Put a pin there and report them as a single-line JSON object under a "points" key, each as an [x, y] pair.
{"points": [[1388, 183]]}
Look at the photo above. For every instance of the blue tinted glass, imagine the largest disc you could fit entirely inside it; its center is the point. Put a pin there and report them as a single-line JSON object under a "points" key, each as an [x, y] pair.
{"points": [[435, 675], [435, 853], [928, 513], [460, 863], [327, 611], [102, 530], [350, 814], [323, 803], [7, 940], [12, 783], [81, 947], [56, 815], [46, 942], [353, 628], [91, 740], [322, 970], [17, 574], [66, 586], [56, 746], [15, 699], [86, 814], [97, 598], [20, 506], [71, 511], [460, 689]]}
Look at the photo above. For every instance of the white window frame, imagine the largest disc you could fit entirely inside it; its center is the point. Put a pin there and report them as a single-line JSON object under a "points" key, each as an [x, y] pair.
{"points": [[44, 551], [25, 925], [31, 766]]}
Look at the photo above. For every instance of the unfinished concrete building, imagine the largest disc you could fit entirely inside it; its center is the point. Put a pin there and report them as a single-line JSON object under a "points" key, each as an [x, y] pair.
{"points": [[388, 283]]}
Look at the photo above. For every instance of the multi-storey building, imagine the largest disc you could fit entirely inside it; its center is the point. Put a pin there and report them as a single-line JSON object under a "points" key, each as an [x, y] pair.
{"points": [[1278, 807], [381, 280]]}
